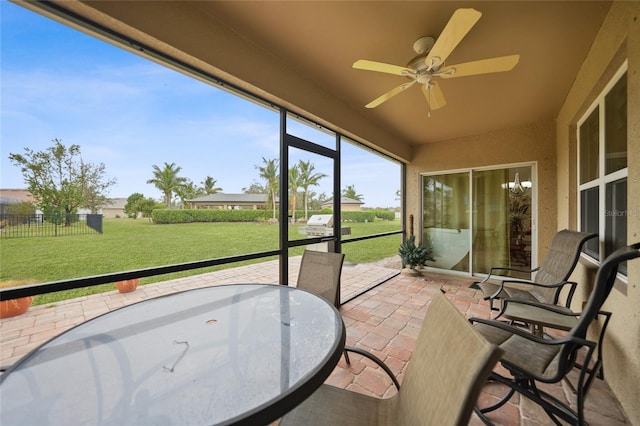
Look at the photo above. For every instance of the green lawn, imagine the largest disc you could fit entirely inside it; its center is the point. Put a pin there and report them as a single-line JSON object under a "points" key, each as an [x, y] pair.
{"points": [[128, 244]]}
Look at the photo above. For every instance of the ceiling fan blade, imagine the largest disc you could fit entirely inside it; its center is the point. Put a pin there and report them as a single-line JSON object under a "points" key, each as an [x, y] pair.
{"points": [[434, 96], [364, 64], [458, 26], [391, 93], [484, 66]]}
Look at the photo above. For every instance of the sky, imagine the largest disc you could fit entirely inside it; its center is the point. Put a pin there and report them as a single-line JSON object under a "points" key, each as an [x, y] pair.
{"points": [[131, 113]]}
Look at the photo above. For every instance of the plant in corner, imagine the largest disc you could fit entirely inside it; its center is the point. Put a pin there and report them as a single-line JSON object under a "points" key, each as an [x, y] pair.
{"points": [[413, 255]]}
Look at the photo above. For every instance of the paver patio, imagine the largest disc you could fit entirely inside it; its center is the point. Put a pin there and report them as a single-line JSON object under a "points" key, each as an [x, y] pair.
{"points": [[385, 320]]}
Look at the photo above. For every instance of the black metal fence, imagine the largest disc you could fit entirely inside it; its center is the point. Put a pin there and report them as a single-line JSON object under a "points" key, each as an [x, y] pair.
{"points": [[39, 225]]}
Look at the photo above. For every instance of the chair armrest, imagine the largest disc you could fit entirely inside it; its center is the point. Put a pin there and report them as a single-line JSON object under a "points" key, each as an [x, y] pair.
{"points": [[500, 268], [532, 337], [375, 359], [546, 307], [535, 284]]}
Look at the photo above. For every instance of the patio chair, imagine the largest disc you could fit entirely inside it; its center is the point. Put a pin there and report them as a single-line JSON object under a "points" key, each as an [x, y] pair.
{"points": [[441, 385], [531, 359], [550, 277], [320, 274]]}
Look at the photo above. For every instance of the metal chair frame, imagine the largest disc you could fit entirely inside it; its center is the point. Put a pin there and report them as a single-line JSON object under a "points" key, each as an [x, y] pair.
{"points": [[564, 350], [550, 277]]}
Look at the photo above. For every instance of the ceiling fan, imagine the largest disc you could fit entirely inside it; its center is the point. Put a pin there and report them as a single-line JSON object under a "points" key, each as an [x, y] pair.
{"points": [[429, 62]]}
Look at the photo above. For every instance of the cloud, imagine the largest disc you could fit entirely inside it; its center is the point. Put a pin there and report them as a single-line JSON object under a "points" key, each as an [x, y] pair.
{"points": [[130, 113]]}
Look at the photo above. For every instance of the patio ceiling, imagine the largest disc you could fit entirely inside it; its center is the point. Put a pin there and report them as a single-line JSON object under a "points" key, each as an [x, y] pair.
{"points": [[300, 55]]}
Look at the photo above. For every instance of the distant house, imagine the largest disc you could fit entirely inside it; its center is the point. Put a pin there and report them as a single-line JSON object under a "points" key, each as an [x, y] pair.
{"points": [[114, 207], [19, 195], [14, 196], [346, 204], [230, 201]]}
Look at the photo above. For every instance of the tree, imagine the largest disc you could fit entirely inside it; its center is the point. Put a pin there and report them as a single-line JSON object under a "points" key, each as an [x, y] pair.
{"points": [[167, 180], [269, 172], [23, 208], [209, 186], [18, 213], [319, 201], [314, 202], [350, 192], [308, 178], [147, 205], [255, 188], [93, 189], [134, 205], [188, 190], [294, 184], [137, 204], [61, 181]]}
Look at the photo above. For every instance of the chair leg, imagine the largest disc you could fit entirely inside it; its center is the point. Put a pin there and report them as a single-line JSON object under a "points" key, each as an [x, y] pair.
{"points": [[500, 403], [346, 357]]}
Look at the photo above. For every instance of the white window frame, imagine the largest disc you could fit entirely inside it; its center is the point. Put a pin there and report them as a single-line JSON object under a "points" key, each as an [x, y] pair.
{"points": [[603, 179]]}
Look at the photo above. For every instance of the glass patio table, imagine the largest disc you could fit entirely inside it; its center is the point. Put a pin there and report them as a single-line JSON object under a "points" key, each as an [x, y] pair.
{"points": [[227, 354]]}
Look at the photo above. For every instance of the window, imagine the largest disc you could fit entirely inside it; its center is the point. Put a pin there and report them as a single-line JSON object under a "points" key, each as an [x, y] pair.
{"points": [[602, 180]]}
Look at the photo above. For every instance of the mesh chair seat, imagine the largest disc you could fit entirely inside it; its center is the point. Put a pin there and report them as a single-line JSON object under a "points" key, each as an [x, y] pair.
{"points": [[449, 365], [550, 277], [530, 358]]}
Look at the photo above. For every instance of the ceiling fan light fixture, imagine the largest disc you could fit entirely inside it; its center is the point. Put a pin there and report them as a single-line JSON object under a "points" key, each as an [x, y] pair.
{"points": [[423, 45]]}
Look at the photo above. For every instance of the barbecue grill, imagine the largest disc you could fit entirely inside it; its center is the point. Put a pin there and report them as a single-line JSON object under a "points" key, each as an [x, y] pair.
{"points": [[321, 225]]}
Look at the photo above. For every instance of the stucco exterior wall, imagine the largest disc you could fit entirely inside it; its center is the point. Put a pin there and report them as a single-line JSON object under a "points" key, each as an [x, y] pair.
{"points": [[619, 39], [112, 213], [530, 143]]}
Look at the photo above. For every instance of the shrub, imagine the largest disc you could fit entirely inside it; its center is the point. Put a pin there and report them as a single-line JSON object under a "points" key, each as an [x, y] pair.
{"points": [[385, 214], [165, 216], [359, 216]]}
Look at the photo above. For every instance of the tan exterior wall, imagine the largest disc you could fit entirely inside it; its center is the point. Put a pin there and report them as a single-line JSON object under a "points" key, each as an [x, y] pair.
{"points": [[526, 144], [350, 207], [619, 39], [110, 213]]}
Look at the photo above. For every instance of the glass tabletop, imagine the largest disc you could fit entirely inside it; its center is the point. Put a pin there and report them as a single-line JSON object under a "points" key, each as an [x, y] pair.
{"points": [[217, 355]]}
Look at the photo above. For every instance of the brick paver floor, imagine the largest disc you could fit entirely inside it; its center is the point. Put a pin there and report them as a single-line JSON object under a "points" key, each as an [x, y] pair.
{"points": [[385, 320]]}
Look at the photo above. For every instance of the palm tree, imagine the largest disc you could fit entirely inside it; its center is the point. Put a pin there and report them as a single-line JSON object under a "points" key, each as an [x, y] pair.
{"points": [[167, 180], [269, 172], [188, 190], [294, 184], [350, 192], [209, 186], [307, 179]]}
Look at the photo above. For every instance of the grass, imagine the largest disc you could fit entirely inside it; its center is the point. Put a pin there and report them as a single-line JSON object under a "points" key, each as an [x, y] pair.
{"points": [[128, 244]]}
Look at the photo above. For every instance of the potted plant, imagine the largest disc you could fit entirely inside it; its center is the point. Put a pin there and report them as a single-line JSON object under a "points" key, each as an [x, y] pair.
{"points": [[126, 286], [414, 256], [14, 307]]}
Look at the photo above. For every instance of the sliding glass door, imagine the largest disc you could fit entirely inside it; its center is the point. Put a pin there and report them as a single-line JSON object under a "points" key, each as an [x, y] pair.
{"points": [[446, 220], [478, 219]]}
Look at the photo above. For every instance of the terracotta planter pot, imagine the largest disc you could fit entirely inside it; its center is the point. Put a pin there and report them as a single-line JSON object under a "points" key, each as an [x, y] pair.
{"points": [[127, 285], [13, 307]]}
